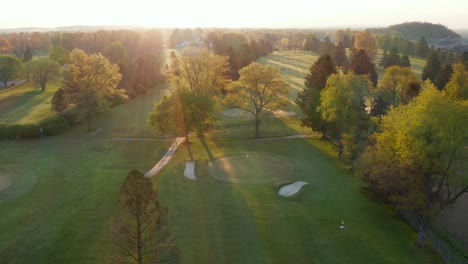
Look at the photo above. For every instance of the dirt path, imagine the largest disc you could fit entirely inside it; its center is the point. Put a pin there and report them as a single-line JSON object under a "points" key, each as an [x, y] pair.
{"points": [[166, 158]]}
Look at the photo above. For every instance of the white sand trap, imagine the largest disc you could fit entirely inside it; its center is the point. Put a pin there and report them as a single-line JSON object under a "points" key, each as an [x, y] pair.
{"points": [[5, 182], [282, 113], [189, 171], [234, 112], [291, 189]]}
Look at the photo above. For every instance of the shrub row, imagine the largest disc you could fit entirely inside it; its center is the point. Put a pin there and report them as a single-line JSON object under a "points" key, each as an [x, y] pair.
{"points": [[51, 126]]}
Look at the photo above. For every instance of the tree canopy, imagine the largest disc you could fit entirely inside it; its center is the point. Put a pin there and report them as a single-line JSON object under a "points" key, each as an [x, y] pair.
{"points": [[90, 83], [10, 67], [309, 98], [416, 161], [432, 67], [342, 106], [365, 41], [259, 87], [400, 84], [43, 70], [361, 64], [140, 232], [457, 87]]}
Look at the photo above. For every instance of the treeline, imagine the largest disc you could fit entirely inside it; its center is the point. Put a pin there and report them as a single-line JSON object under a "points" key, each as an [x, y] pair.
{"points": [[241, 47], [139, 55]]}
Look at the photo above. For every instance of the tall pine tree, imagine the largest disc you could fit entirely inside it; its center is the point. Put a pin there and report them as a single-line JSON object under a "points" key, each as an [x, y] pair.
{"points": [[362, 65], [339, 56], [139, 232], [309, 98], [432, 68]]}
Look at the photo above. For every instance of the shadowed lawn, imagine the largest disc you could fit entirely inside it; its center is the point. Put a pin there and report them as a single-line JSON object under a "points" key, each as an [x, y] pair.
{"points": [[26, 103], [64, 194], [218, 222]]}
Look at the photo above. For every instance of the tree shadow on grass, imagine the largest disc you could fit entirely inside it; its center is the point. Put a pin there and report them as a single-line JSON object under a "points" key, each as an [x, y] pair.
{"points": [[208, 151]]}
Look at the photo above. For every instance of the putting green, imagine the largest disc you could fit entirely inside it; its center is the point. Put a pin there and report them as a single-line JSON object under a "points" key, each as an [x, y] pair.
{"points": [[15, 182], [5, 182], [251, 168]]}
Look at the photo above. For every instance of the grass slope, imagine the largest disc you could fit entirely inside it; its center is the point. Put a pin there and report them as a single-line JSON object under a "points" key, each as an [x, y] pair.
{"points": [[26, 103]]}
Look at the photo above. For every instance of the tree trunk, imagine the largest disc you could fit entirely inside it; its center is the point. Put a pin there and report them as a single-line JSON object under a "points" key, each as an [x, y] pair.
{"points": [[422, 230], [257, 128], [88, 118], [139, 244], [340, 147], [324, 135], [187, 144], [43, 87]]}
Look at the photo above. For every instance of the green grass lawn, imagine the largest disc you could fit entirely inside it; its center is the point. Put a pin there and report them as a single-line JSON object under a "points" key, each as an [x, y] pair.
{"points": [[26, 103], [293, 65], [64, 194], [218, 222]]}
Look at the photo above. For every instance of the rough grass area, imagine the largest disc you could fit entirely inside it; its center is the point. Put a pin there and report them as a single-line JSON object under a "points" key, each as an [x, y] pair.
{"points": [[26, 103], [251, 168]]}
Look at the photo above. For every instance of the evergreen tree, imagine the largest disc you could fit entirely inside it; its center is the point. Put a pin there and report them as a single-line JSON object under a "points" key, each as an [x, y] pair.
{"points": [[432, 68], [362, 65], [422, 49], [444, 76], [393, 58], [58, 103], [27, 56], [326, 47], [140, 232], [464, 58], [309, 98], [339, 56], [383, 60], [405, 62]]}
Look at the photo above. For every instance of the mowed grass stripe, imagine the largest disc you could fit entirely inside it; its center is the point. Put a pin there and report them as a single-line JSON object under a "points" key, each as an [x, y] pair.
{"points": [[26, 103], [218, 222]]}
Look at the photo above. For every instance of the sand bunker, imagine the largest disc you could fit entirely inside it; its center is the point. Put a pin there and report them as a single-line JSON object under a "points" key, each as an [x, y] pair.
{"points": [[291, 189], [236, 112], [189, 171], [5, 182], [282, 113]]}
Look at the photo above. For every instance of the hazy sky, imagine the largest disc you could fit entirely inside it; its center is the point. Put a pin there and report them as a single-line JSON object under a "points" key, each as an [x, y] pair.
{"points": [[234, 13]]}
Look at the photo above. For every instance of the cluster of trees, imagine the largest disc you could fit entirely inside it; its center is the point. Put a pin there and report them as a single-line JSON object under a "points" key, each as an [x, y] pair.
{"points": [[238, 49], [139, 55], [405, 137], [180, 37], [394, 59], [90, 86], [24, 45], [200, 82]]}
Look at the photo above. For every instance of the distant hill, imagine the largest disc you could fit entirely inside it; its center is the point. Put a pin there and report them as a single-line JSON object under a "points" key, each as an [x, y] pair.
{"points": [[416, 30], [436, 35]]}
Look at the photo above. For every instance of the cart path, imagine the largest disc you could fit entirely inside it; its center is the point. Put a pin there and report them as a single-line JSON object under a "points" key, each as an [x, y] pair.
{"points": [[166, 158]]}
